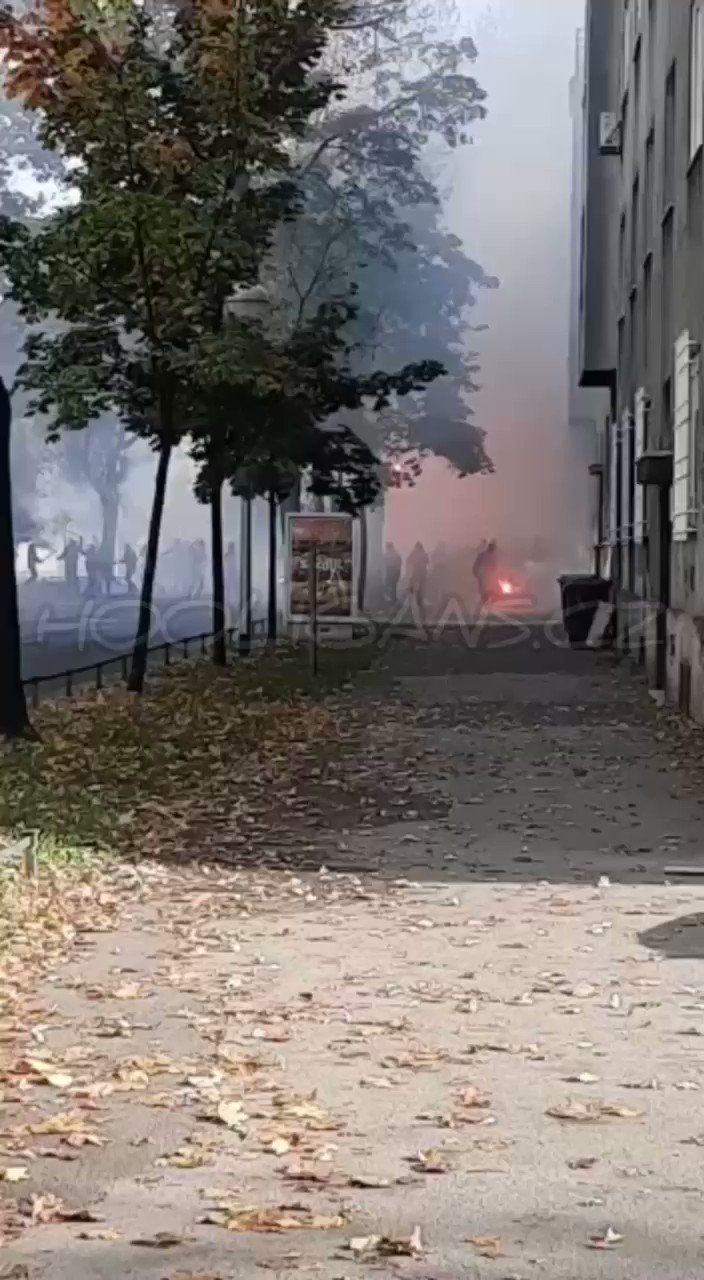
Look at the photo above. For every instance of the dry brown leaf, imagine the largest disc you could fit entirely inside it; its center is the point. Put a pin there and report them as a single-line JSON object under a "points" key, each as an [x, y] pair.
{"points": [[609, 1240], [55, 1153], [233, 1115], [46, 1208], [473, 1097], [388, 1246], [127, 991], [79, 1139], [591, 1112], [487, 1246], [105, 1234], [162, 1240], [43, 1072], [279, 1146], [368, 1183], [429, 1162], [276, 1220], [620, 1112], [299, 1173], [63, 1122], [184, 1158]]}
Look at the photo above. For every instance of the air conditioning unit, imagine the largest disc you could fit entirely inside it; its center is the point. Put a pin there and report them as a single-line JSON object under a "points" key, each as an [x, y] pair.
{"points": [[609, 134]]}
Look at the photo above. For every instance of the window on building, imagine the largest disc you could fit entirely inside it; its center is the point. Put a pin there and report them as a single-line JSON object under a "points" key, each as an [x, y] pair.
{"points": [[622, 373], [640, 436], [633, 348], [648, 203], [622, 254], [670, 138], [635, 231], [696, 78], [647, 309], [686, 432], [636, 96], [652, 36], [666, 441], [668, 228], [628, 16]]}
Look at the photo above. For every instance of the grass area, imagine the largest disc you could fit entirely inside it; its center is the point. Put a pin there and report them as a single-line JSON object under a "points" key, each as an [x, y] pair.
{"points": [[115, 775]]}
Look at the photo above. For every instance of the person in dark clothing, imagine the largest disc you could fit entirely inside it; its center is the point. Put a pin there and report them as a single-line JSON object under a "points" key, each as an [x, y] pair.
{"points": [[198, 563], [231, 570], [94, 585], [33, 561], [70, 556], [129, 560], [393, 565], [485, 571], [417, 574]]}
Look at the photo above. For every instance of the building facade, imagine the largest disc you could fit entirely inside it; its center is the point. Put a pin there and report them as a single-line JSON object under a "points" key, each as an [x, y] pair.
{"points": [[641, 322], [588, 407]]}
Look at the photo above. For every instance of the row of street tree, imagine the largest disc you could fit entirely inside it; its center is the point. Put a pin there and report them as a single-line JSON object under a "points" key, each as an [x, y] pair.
{"points": [[247, 256]]}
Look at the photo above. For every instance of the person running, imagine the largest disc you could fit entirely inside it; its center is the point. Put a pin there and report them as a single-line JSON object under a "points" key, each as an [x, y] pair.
{"points": [[417, 574], [393, 565]]}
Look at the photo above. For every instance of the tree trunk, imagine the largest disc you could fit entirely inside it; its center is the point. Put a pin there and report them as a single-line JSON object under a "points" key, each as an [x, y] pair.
{"points": [[141, 645], [219, 639], [273, 576], [363, 558], [14, 721], [110, 506]]}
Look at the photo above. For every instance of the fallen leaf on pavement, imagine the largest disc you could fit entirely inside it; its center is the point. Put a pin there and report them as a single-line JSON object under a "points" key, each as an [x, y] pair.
{"points": [[185, 1158], [55, 1153], [583, 1162], [274, 1220], [609, 1240], [591, 1112], [162, 1240], [127, 991], [64, 1122], [429, 1162], [368, 1183], [299, 1173], [473, 1097], [388, 1246], [105, 1234], [43, 1072], [78, 1215], [279, 1146], [487, 1246], [233, 1115]]}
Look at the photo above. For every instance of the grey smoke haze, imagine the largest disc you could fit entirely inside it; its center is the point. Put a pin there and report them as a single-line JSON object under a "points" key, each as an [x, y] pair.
{"points": [[511, 205], [509, 200]]}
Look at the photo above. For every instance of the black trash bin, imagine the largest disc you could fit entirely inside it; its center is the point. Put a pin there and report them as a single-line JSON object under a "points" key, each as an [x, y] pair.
{"points": [[581, 596]]}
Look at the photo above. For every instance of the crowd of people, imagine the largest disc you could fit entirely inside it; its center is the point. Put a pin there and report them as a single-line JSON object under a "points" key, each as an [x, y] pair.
{"points": [[427, 582], [183, 568]]}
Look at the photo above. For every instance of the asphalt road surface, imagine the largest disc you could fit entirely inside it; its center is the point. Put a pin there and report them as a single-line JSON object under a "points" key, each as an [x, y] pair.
{"points": [[56, 638]]}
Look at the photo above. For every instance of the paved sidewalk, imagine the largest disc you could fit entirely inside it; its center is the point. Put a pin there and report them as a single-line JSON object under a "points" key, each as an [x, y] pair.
{"points": [[471, 1046]]}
